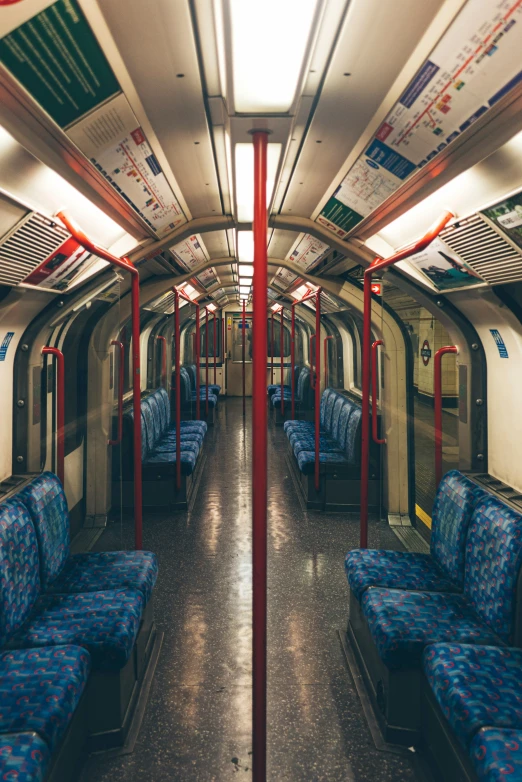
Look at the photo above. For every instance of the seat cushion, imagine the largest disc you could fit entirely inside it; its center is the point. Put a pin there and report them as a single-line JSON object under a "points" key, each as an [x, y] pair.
{"points": [[394, 570], [302, 426], [496, 755], [274, 387], [306, 460], [212, 399], [40, 690], [104, 623], [403, 623], [109, 570], [190, 426], [45, 499], [493, 559], [300, 442], [188, 460], [453, 507], [187, 443], [476, 686], [24, 757]]}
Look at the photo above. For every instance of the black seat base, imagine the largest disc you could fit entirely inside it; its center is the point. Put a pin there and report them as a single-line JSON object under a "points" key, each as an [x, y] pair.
{"points": [[68, 760], [395, 694], [112, 695], [439, 743]]}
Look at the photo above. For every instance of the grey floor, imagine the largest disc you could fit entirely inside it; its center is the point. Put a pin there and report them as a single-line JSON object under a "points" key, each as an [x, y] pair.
{"points": [[198, 719]]}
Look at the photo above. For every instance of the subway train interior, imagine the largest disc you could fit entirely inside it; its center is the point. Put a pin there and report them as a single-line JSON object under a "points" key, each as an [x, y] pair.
{"points": [[260, 372]]}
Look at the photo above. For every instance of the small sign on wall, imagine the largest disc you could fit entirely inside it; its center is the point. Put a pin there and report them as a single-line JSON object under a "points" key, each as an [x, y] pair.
{"points": [[425, 352], [5, 344], [501, 345]]}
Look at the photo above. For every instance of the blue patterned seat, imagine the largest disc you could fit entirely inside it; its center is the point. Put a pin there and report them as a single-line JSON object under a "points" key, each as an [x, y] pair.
{"points": [[169, 426], [476, 686], [105, 623], [440, 571], [40, 690], [403, 623], [496, 755], [306, 460], [92, 572], [214, 388], [24, 757], [306, 442]]}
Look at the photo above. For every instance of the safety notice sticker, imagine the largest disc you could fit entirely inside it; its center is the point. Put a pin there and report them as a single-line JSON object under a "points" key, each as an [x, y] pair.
{"points": [[502, 350], [5, 344]]}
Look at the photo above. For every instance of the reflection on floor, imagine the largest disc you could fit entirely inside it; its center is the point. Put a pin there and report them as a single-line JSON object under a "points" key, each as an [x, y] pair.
{"points": [[425, 454], [198, 720]]}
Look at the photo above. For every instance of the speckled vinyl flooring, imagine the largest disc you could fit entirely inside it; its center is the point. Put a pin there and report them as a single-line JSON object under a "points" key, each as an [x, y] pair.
{"points": [[198, 719]]}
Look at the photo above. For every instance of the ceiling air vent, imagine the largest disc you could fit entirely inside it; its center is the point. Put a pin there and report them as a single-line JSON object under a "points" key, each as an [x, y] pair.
{"points": [[488, 252], [27, 246]]}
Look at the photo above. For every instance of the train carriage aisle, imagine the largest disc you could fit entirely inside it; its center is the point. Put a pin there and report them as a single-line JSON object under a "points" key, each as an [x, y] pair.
{"points": [[197, 725]]}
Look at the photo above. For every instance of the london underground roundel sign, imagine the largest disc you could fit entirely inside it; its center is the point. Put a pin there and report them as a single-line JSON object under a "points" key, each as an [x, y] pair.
{"points": [[425, 352]]}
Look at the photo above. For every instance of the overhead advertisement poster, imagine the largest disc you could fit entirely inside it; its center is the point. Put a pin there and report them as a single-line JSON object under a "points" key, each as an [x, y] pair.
{"points": [[112, 139], [191, 252], [283, 278], [208, 277], [444, 268], [308, 253], [507, 215], [58, 271], [475, 64], [58, 60]]}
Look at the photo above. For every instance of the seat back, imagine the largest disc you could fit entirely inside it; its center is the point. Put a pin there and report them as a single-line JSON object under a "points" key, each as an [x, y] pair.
{"points": [[336, 417], [19, 567], [149, 426], [303, 385], [323, 408], [493, 559], [330, 403], [162, 398], [191, 369], [454, 504], [153, 405], [186, 384], [45, 500]]}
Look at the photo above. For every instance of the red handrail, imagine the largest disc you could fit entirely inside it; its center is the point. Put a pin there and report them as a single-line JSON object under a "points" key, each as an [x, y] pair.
{"points": [[272, 349], [121, 368], [437, 392], [312, 370], [215, 347], [292, 361], [124, 263], [325, 347], [206, 361], [163, 360], [243, 351], [259, 460], [60, 410], [281, 350], [198, 364], [317, 382], [177, 348], [380, 263], [375, 436], [223, 350]]}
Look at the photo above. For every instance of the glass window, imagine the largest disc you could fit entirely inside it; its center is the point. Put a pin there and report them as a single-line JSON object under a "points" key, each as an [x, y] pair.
{"points": [[275, 349]]}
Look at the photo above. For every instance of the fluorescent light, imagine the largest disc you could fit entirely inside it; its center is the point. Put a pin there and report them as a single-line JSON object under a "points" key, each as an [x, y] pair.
{"points": [[244, 289], [245, 270], [244, 158], [244, 297], [211, 307], [245, 281], [245, 246], [267, 63], [276, 308]]}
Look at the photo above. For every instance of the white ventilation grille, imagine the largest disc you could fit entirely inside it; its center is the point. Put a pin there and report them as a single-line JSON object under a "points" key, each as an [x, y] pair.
{"points": [[27, 246], [477, 242]]}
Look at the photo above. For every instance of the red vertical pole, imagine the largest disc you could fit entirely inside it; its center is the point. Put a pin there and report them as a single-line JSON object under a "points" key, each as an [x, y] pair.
{"points": [[136, 404], [292, 361], [215, 347], [437, 369], [281, 350], [206, 361], [243, 349], [272, 349], [198, 366], [259, 459], [177, 342], [223, 351], [317, 382], [365, 423], [60, 410]]}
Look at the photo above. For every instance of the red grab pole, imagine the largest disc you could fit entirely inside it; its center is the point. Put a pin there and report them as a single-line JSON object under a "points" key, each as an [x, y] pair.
{"points": [[124, 263], [215, 347], [163, 360], [259, 460], [198, 365], [292, 360], [243, 351], [317, 380], [177, 348], [121, 368], [223, 348], [325, 345], [206, 361], [377, 265], [60, 409], [281, 350], [272, 349], [437, 370], [375, 436]]}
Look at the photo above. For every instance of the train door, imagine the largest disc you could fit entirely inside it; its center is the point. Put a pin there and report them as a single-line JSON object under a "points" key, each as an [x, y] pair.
{"points": [[234, 353]]}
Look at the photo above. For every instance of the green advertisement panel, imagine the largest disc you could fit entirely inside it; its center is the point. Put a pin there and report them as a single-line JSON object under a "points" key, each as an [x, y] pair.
{"points": [[507, 215], [341, 216], [59, 61]]}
